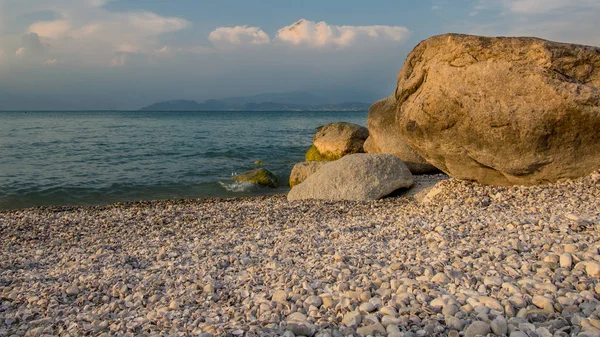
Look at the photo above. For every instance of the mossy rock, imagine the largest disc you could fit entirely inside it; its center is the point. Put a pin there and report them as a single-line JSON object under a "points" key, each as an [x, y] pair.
{"points": [[259, 176], [314, 155]]}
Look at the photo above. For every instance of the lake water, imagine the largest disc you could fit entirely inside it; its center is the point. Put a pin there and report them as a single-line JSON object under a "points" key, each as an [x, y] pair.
{"points": [[87, 158]]}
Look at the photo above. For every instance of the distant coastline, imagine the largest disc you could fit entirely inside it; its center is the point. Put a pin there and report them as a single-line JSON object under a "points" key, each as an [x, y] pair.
{"points": [[215, 105]]}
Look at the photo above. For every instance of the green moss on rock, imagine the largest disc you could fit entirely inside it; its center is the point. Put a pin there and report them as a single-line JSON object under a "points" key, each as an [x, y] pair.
{"points": [[314, 155], [259, 176]]}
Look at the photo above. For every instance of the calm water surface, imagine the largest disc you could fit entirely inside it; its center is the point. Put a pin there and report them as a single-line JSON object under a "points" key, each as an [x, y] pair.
{"points": [[86, 158]]}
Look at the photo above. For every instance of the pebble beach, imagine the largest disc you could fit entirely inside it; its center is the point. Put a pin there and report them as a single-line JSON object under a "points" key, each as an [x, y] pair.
{"points": [[469, 260]]}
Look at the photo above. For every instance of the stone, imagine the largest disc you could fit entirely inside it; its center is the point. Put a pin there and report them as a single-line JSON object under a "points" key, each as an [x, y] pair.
{"points": [[279, 296], [570, 248], [328, 301], [592, 268], [335, 140], [499, 326], [493, 281], [566, 260], [440, 278], [450, 310], [259, 176], [367, 307], [501, 111], [491, 303], [390, 320], [358, 177], [518, 334], [72, 291], [393, 330], [389, 311], [370, 330], [383, 137], [314, 300], [303, 170], [352, 318], [302, 328], [299, 325], [543, 303], [454, 323], [174, 305], [477, 328]]}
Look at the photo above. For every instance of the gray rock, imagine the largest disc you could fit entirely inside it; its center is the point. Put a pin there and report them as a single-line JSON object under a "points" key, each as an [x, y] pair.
{"points": [[518, 334], [299, 325], [450, 310], [314, 300], [477, 328], [359, 177], [499, 326], [454, 323]]}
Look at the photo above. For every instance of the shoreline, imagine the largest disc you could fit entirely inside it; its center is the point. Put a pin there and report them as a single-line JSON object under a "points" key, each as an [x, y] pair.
{"points": [[421, 182], [497, 259]]}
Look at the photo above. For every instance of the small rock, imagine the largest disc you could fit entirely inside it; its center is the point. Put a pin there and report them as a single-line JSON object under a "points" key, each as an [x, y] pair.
{"points": [[440, 278], [367, 307], [353, 318], [566, 260], [592, 268], [499, 326], [518, 334], [454, 323], [389, 311], [314, 300], [72, 291], [279, 296], [477, 328], [371, 329]]}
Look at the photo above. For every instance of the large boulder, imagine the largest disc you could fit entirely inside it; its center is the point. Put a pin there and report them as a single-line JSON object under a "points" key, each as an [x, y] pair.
{"points": [[303, 170], [335, 140], [358, 177], [259, 176], [384, 137], [502, 111]]}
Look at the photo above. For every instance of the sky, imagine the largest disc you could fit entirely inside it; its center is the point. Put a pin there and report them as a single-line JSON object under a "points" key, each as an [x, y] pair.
{"points": [[125, 54]]}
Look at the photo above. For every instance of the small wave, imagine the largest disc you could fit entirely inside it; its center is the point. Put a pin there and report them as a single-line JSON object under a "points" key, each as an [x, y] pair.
{"points": [[238, 186]]}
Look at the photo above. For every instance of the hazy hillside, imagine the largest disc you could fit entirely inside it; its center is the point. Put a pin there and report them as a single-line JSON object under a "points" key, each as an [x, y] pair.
{"points": [[292, 101]]}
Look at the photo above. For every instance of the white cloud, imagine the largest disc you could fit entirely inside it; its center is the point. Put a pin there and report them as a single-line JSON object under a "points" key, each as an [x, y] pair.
{"points": [[322, 34], [20, 51], [51, 62], [238, 36], [86, 33], [52, 29]]}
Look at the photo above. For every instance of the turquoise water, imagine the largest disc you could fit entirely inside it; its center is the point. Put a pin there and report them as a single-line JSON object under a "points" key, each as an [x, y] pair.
{"points": [[88, 158]]}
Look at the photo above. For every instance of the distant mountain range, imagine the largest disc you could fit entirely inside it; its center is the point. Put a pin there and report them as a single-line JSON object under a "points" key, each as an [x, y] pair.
{"points": [[293, 101]]}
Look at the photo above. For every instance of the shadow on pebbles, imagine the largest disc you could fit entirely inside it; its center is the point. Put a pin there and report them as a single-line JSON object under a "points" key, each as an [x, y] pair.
{"points": [[473, 260]]}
